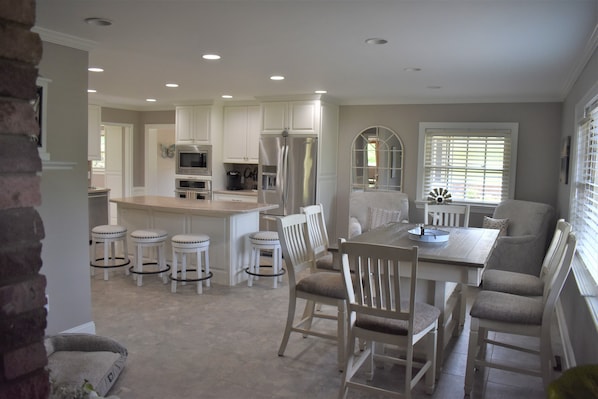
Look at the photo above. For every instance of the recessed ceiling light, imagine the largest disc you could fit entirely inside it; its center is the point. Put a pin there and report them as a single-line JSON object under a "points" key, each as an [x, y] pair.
{"points": [[227, 96], [321, 92], [95, 69], [172, 85], [150, 100], [92, 91], [376, 40], [98, 21], [277, 77], [210, 57], [412, 69]]}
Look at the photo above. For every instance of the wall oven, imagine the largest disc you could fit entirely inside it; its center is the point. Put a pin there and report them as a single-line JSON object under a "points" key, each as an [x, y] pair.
{"points": [[193, 159], [193, 188]]}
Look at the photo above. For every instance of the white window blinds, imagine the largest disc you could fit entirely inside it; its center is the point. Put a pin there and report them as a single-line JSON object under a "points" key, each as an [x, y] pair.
{"points": [[473, 164], [584, 204]]}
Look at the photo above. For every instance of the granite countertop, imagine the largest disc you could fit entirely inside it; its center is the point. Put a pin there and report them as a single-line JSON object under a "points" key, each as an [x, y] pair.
{"points": [[181, 205], [251, 193]]}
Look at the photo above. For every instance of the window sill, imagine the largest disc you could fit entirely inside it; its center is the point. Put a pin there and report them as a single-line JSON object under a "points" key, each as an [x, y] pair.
{"points": [[587, 287]]}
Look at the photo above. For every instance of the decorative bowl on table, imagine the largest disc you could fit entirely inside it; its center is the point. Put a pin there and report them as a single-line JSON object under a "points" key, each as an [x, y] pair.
{"points": [[428, 235]]}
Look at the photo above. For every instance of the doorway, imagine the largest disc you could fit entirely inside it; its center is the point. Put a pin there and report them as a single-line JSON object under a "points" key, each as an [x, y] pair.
{"points": [[159, 159], [115, 170]]}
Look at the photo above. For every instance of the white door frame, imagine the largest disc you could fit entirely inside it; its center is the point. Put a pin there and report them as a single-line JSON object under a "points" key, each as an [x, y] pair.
{"points": [[151, 156], [127, 156]]}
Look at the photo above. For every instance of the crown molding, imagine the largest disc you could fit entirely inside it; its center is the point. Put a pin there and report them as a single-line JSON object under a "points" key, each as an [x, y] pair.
{"points": [[583, 61], [64, 40]]}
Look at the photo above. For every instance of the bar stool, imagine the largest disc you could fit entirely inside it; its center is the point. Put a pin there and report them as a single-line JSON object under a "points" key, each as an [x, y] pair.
{"points": [[183, 244], [269, 241], [149, 238], [108, 236]]}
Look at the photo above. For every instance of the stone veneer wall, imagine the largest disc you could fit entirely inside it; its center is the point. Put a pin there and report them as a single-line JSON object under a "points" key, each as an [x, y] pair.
{"points": [[22, 288]]}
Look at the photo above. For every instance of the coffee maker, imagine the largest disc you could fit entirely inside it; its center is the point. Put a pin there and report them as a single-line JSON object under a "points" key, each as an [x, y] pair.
{"points": [[233, 180]]}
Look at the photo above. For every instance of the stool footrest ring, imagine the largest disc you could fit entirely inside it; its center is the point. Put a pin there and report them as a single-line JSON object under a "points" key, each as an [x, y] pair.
{"points": [[92, 264], [132, 269], [191, 280], [282, 271]]}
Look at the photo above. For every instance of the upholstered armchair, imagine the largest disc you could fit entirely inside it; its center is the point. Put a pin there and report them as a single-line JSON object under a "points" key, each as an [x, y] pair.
{"points": [[369, 209], [524, 245]]}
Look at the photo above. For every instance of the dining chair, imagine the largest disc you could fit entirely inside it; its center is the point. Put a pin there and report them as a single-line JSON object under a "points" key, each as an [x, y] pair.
{"points": [[323, 258], [384, 311], [523, 283], [446, 215], [499, 312], [325, 288]]}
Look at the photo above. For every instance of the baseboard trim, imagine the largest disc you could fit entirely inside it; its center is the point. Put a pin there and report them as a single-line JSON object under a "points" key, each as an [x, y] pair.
{"points": [[568, 353], [87, 328]]}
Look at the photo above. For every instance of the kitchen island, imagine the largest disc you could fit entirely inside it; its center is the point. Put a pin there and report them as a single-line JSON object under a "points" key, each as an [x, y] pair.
{"points": [[227, 223]]}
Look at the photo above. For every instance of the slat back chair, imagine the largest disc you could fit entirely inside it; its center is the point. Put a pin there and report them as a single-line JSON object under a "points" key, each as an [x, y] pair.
{"points": [[446, 215], [325, 288], [318, 237], [382, 310], [521, 315]]}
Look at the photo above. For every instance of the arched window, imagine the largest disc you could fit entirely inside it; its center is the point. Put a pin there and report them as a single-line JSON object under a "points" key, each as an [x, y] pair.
{"points": [[377, 160]]}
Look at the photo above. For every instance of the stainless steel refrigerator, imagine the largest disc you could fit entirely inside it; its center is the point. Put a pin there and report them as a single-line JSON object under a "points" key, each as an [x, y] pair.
{"points": [[286, 175]]}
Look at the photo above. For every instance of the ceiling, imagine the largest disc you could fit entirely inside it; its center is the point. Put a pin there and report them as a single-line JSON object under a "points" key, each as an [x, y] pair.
{"points": [[467, 51]]}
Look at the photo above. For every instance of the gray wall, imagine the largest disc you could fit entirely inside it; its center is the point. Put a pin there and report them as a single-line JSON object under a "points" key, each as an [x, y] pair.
{"points": [[138, 119], [65, 250], [580, 317], [537, 157]]}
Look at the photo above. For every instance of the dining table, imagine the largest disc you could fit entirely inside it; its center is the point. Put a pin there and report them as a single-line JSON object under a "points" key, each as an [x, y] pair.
{"points": [[449, 260]]}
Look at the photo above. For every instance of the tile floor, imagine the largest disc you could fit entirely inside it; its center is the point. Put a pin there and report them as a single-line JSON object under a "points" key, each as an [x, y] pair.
{"points": [[224, 343]]}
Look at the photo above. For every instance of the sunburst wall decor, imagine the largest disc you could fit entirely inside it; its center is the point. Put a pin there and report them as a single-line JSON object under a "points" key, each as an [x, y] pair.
{"points": [[439, 196]]}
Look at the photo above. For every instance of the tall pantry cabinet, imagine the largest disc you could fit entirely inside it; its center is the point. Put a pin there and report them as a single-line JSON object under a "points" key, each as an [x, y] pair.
{"points": [[310, 116]]}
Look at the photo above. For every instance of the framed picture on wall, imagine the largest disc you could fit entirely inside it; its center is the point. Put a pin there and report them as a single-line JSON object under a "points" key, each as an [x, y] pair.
{"points": [[40, 114], [565, 152]]}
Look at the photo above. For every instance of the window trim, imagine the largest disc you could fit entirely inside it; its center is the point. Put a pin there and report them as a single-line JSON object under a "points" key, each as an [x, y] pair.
{"points": [[424, 126], [587, 284]]}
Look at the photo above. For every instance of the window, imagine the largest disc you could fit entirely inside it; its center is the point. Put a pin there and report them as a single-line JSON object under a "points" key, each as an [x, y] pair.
{"points": [[377, 160], [101, 163], [475, 162], [584, 200]]}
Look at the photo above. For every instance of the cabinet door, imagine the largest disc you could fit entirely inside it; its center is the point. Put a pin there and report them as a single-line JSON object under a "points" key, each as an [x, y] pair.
{"points": [[201, 123], [303, 117], [234, 134], [184, 124], [94, 121], [274, 117], [253, 133]]}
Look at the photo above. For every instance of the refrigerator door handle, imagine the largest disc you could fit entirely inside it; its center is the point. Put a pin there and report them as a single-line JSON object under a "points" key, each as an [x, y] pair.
{"points": [[285, 174]]}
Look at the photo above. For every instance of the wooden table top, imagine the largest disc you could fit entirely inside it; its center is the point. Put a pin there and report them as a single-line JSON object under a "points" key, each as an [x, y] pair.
{"points": [[466, 246]]}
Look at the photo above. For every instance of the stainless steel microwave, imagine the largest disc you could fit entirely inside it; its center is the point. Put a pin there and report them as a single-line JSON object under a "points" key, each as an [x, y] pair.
{"points": [[194, 159]]}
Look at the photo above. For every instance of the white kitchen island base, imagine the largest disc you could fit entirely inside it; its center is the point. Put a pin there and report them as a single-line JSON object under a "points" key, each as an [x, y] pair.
{"points": [[227, 223]]}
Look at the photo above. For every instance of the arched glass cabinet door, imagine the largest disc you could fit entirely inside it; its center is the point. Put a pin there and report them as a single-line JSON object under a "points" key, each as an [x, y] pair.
{"points": [[377, 160]]}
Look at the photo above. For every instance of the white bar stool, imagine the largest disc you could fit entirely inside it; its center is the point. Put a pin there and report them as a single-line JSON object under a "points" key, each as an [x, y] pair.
{"points": [[149, 238], [265, 240], [183, 244], [108, 236]]}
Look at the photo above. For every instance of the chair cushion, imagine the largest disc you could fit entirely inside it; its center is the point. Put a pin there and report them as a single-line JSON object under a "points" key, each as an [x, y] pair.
{"points": [[499, 306], [329, 284], [497, 224], [326, 262], [512, 283], [424, 316], [380, 216]]}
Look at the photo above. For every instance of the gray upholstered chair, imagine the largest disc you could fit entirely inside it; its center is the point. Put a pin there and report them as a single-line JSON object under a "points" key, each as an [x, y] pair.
{"points": [[368, 209], [523, 247]]}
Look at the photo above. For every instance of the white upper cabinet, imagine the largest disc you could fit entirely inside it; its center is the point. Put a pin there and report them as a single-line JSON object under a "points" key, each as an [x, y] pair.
{"points": [[298, 117], [193, 124], [94, 122], [241, 134]]}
